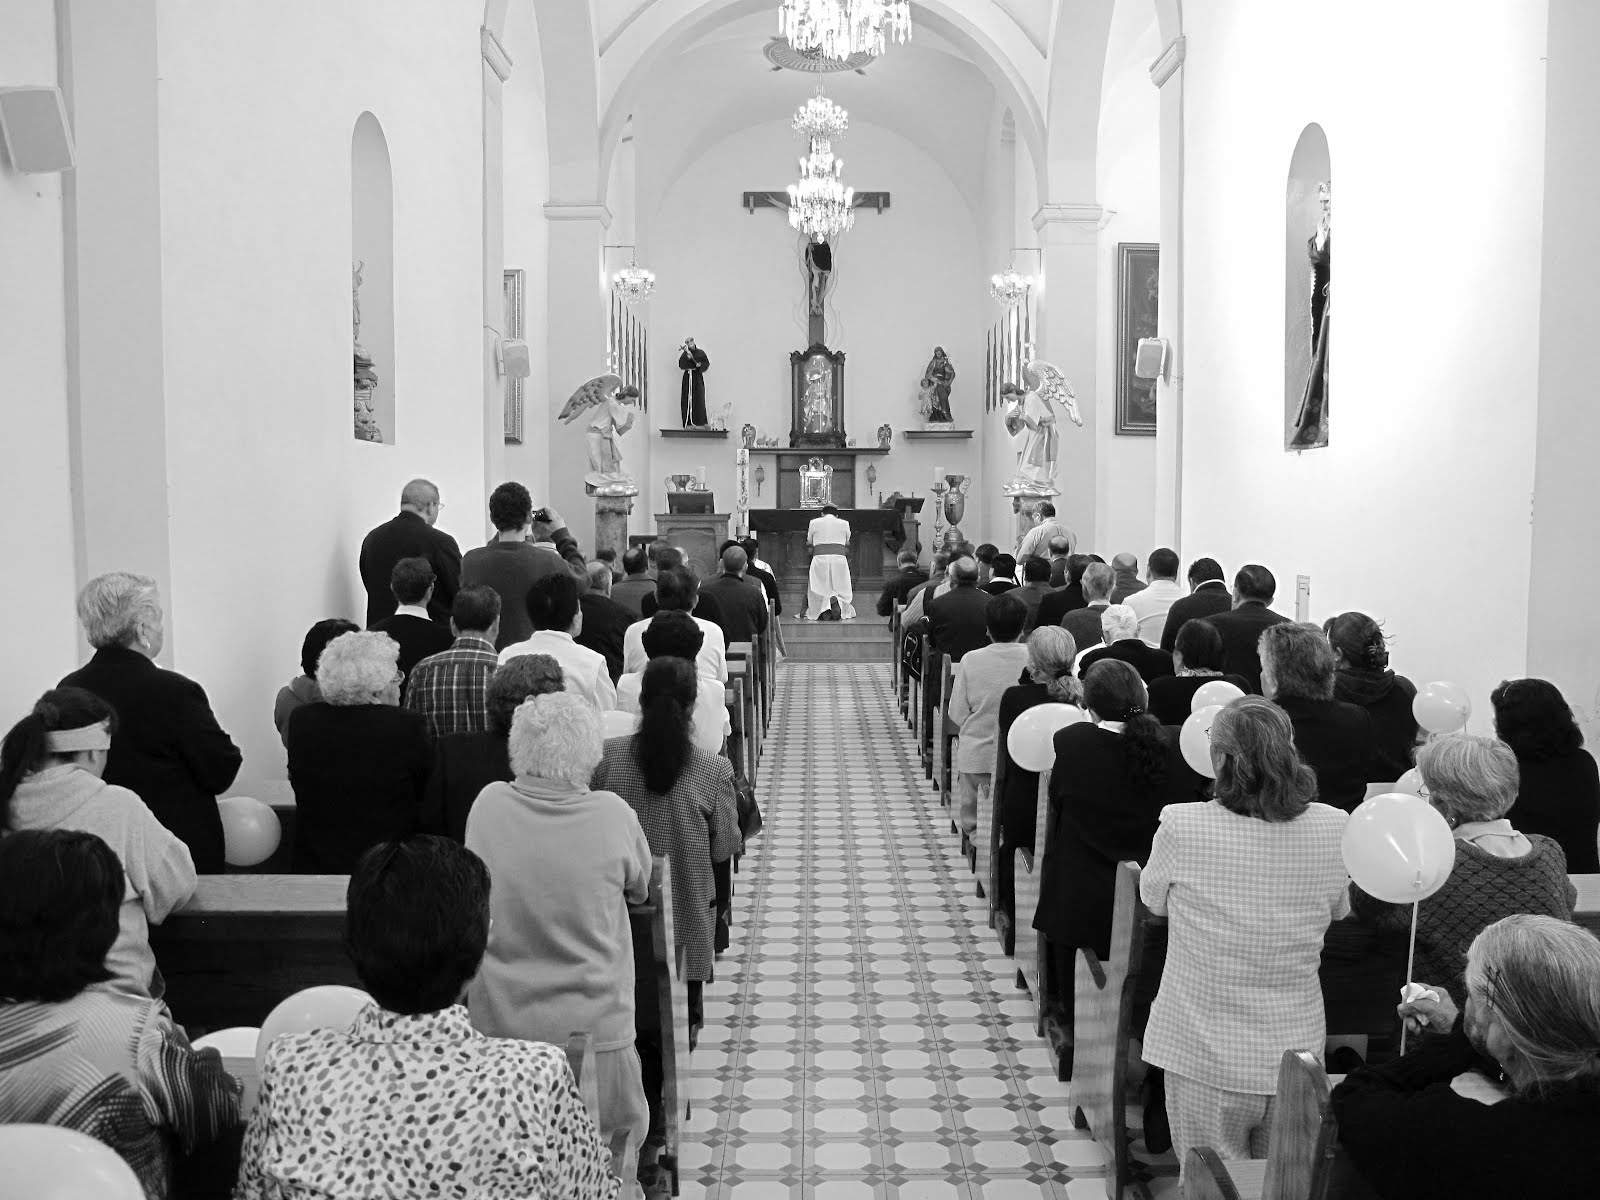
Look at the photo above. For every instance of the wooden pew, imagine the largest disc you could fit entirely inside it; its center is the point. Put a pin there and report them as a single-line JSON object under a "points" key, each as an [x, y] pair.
{"points": [[244, 942], [580, 1059], [1586, 911], [895, 664], [911, 649], [661, 1004], [1001, 866], [930, 706], [737, 749], [984, 841], [1304, 1161], [1103, 995], [1028, 870], [742, 664], [944, 742]]}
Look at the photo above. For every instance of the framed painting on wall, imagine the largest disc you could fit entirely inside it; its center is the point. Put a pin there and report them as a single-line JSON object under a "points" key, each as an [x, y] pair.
{"points": [[1138, 295], [513, 324]]}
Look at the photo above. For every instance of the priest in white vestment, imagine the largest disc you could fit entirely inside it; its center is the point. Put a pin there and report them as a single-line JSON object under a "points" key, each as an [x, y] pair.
{"points": [[828, 538]]}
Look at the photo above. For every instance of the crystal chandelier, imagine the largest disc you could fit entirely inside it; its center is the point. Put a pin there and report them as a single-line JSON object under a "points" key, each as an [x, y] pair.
{"points": [[840, 28], [1010, 288], [633, 283], [820, 206]]}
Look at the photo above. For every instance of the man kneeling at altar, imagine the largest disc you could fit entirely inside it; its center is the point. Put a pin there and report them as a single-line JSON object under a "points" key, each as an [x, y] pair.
{"points": [[829, 596]]}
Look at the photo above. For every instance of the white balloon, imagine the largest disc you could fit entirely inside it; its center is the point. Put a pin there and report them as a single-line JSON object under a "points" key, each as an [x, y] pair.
{"points": [[233, 1042], [1031, 739], [250, 831], [1218, 693], [327, 1006], [615, 723], [48, 1162], [1398, 847], [1194, 739]]}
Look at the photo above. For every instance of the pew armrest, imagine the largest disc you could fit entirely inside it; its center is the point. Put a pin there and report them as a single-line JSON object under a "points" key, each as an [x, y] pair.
{"points": [[1092, 963], [1209, 1178]]}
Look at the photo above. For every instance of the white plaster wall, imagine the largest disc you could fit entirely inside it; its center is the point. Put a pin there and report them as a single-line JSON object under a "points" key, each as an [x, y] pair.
{"points": [[36, 541], [270, 493], [906, 280], [1419, 510], [1563, 619], [1128, 185]]}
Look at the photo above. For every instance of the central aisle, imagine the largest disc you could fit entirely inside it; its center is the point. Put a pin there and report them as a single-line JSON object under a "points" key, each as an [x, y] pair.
{"points": [[864, 1038]]}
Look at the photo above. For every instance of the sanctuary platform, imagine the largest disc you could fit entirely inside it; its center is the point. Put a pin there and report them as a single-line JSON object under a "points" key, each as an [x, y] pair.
{"points": [[876, 536], [863, 640]]}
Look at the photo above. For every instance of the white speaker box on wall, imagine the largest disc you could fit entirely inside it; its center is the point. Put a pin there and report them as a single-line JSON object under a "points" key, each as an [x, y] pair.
{"points": [[33, 126]]}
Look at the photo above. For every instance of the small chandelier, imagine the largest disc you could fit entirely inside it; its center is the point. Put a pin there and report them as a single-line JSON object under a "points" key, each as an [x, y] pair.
{"points": [[632, 283], [840, 28], [821, 118], [820, 206], [1010, 288]]}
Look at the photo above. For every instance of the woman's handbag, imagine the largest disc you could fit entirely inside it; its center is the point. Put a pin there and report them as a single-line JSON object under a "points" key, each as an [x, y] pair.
{"points": [[750, 820]]}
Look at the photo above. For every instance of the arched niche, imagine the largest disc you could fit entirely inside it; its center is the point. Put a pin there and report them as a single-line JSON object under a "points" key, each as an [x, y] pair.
{"points": [[1307, 301], [372, 276]]}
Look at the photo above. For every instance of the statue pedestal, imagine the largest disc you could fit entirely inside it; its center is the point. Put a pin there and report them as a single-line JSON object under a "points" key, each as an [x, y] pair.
{"points": [[1025, 501], [611, 523]]}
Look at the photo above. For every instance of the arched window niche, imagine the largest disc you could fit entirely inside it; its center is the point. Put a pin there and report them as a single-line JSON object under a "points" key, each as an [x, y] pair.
{"points": [[1307, 302], [372, 281]]}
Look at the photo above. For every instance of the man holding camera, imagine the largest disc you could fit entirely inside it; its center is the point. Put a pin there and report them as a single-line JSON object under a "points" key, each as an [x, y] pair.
{"points": [[527, 547]]}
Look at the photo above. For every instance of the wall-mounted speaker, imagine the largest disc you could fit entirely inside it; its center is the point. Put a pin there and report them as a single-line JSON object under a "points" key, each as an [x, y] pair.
{"points": [[1150, 358], [33, 126], [515, 361]]}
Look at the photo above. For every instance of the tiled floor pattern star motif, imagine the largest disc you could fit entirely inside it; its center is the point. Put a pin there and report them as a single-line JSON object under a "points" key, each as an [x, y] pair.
{"points": [[864, 1037]]}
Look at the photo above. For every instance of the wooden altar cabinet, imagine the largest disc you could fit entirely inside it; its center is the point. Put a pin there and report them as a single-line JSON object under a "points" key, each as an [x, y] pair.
{"points": [[700, 535], [781, 533]]}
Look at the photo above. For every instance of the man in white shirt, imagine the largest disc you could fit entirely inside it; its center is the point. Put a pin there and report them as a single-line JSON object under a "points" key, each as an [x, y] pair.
{"points": [[671, 634], [677, 590], [1152, 603], [557, 619], [829, 590], [1036, 542]]}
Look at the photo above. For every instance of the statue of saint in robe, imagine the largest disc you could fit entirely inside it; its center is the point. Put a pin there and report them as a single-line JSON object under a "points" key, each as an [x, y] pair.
{"points": [[694, 363]]}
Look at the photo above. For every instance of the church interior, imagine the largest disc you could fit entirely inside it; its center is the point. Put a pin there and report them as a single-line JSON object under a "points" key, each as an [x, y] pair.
{"points": [[697, 273]]}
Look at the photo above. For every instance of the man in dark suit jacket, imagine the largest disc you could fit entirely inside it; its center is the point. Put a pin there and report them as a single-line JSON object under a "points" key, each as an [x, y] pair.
{"points": [[1208, 595], [1336, 739], [1241, 626], [742, 601], [168, 748], [706, 607], [1120, 629], [1084, 623], [896, 587], [604, 620], [958, 620], [412, 584], [1068, 598], [411, 534], [767, 580]]}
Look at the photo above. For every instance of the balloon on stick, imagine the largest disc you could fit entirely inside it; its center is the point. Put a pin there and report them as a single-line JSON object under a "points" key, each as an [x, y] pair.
{"points": [[1398, 848], [1194, 739], [615, 723], [250, 831], [327, 1006], [49, 1162], [234, 1042], [1442, 707], [1219, 693], [1031, 739]]}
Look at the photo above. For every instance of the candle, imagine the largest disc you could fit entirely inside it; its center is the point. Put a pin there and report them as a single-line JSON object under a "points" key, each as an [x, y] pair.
{"points": [[700, 473], [938, 474]]}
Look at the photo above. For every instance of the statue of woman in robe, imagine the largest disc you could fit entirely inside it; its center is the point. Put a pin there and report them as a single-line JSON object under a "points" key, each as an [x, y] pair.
{"points": [[936, 384], [1311, 422]]}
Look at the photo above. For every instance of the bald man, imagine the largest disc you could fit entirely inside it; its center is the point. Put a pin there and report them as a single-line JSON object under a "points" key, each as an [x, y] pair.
{"points": [[411, 534], [1125, 570]]}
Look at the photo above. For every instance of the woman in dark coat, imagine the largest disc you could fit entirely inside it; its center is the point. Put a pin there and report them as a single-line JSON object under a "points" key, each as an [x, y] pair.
{"points": [[1559, 790], [168, 749], [1362, 677], [1197, 659], [358, 762]]}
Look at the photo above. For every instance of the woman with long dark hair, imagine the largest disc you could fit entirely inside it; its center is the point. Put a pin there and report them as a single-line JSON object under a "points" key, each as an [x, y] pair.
{"points": [[1362, 676], [1558, 793], [51, 768]]}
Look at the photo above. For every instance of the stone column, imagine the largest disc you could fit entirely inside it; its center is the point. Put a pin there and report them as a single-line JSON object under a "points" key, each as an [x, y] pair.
{"points": [[1167, 74], [496, 69], [611, 523], [577, 342], [1065, 336]]}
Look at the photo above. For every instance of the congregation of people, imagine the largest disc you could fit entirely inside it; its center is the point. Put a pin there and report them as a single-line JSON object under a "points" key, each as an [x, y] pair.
{"points": [[494, 757], [1266, 944]]}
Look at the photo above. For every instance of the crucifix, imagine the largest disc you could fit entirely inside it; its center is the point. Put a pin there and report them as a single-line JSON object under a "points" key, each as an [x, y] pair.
{"points": [[819, 255]]}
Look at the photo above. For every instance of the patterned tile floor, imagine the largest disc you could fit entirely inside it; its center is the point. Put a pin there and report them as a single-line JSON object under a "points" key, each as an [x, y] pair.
{"points": [[864, 1037]]}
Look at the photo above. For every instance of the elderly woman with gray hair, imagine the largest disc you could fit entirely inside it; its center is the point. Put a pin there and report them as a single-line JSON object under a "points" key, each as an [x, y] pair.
{"points": [[1119, 629], [357, 761], [564, 861], [1498, 872], [1531, 1001], [168, 748]]}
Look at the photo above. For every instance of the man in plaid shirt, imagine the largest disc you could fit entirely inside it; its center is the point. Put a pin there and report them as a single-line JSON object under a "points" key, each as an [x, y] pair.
{"points": [[449, 688]]}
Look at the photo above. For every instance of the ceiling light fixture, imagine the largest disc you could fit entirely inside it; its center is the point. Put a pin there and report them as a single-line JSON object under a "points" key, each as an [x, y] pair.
{"points": [[820, 205], [839, 28], [632, 283], [1010, 288]]}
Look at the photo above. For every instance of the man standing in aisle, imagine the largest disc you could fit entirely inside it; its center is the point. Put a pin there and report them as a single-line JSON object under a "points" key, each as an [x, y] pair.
{"points": [[411, 534], [829, 596], [1037, 540]]}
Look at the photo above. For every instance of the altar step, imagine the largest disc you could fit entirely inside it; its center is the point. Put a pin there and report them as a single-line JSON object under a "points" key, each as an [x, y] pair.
{"points": [[865, 639]]}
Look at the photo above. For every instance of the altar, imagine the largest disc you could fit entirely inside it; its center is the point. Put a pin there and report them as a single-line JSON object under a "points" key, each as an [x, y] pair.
{"points": [[781, 533]]}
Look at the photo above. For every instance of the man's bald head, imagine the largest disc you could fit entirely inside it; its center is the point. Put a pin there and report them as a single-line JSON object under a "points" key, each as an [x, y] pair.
{"points": [[964, 571], [1124, 562], [735, 561], [421, 496]]}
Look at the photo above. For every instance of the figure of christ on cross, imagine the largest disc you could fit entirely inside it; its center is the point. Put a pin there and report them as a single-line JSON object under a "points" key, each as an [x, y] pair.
{"points": [[819, 266]]}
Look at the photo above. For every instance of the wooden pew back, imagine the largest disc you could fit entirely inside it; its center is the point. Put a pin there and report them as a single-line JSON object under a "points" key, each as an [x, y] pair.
{"points": [[945, 731], [1028, 872], [661, 1003], [1586, 911]]}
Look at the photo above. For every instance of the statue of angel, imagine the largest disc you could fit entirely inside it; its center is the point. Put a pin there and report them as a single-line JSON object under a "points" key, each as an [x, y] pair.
{"points": [[1034, 416], [608, 407]]}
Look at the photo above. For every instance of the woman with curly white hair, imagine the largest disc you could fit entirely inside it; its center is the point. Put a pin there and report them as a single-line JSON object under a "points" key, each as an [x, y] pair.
{"points": [[564, 861], [168, 749], [358, 762]]}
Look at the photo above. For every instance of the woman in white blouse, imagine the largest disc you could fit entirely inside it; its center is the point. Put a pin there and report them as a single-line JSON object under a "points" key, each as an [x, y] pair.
{"points": [[1249, 883]]}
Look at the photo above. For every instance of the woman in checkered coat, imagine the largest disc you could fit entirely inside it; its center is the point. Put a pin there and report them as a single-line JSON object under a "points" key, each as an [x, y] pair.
{"points": [[1249, 883]]}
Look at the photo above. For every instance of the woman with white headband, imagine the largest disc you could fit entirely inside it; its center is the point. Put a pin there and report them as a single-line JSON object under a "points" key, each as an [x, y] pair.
{"points": [[50, 778]]}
